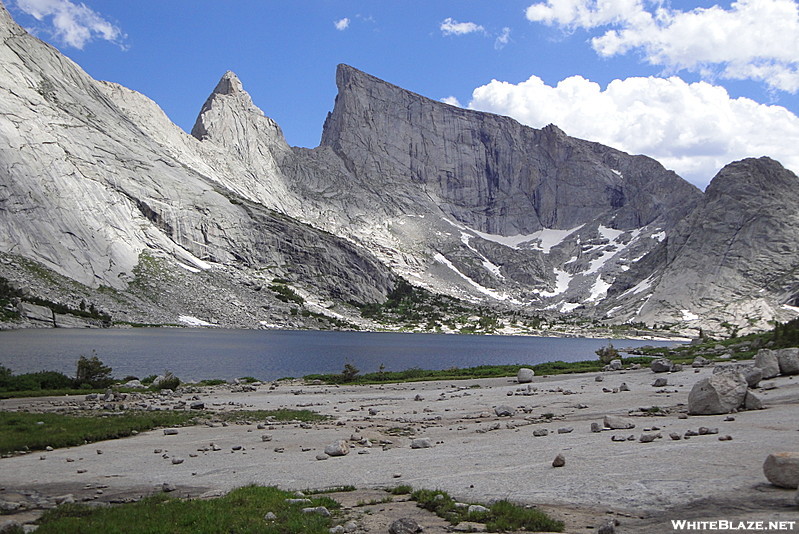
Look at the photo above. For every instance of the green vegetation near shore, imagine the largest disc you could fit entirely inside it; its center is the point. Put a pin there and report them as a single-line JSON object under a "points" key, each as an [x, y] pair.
{"points": [[455, 373], [501, 516], [241, 510], [23, 431]]}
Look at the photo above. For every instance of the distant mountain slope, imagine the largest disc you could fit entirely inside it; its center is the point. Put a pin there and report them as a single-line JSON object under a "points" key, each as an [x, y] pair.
{"points": [[231, 226]]}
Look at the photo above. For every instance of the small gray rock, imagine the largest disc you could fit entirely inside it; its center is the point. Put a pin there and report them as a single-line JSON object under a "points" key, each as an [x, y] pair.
{"points": [[504, 411], [421, 443], [540, 432], [566, 430], [270, 516], [660, 382], [321, 510], [615, 422], [595, 427], [170, 431], [477, 509], [339, 447], [559, 461], [405, 525], [661, 365]]}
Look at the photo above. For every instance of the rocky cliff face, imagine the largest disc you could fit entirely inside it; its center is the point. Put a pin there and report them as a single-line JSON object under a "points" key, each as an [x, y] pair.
{"points": [[733, 263], [91, 178], [477, 205], [99, 186]]}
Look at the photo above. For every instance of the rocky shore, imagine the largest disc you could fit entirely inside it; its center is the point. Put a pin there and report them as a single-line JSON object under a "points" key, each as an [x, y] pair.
{"points": [[618, 446]]}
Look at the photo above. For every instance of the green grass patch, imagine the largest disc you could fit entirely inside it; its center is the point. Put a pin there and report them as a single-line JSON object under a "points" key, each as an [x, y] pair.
{"points": [[241, 510], [502, 516], [31, 431]]}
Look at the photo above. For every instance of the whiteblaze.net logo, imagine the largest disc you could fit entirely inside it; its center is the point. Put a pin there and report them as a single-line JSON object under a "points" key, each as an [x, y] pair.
{"points": [[732, 526]]}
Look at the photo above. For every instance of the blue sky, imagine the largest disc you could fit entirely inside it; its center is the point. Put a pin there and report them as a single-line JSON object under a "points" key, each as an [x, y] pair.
{"points": [[693, 84]]}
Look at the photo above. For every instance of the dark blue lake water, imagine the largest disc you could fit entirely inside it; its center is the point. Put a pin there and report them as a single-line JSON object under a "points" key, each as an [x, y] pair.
{"points": [[196, 354]]}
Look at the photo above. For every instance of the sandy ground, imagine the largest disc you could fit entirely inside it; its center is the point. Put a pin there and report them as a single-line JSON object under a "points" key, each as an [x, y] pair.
{"points": [[477, 456]]}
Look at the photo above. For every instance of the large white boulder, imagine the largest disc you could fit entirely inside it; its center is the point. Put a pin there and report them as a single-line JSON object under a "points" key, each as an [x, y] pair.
{"points": [[789, 361], [768, 363], [525, 375], [720, 393], [782, 469]]}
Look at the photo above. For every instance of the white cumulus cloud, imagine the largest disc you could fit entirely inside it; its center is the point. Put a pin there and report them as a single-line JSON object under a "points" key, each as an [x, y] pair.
{"points": [[342, 24], [72, 24], [691, 128], [451, 26], [753, 39], [452, 101]]}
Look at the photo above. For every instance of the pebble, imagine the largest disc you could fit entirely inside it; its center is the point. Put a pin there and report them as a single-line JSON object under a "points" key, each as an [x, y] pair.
{"points": [[559, 461]]}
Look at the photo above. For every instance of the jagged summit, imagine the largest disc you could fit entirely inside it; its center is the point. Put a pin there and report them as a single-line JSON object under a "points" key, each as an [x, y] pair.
{"points": [[229, 84]]}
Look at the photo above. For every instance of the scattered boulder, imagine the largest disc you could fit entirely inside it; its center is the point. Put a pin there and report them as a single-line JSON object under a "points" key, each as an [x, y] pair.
{"points": [[421, 443], [477, 509], [752, 374], [782, 469], [595, 427], [170, 431], [540, 432], [504, 411], [270, 516], [660, 382], [624, 387], [700, 361], [661, 365], [718, 394], [752, 401], [525, 375], [404, 525], [609, 527], [321, 510], [615, 365], [766, 360], [615, 422], [339, 447], [788, 360], [559, 461]]}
